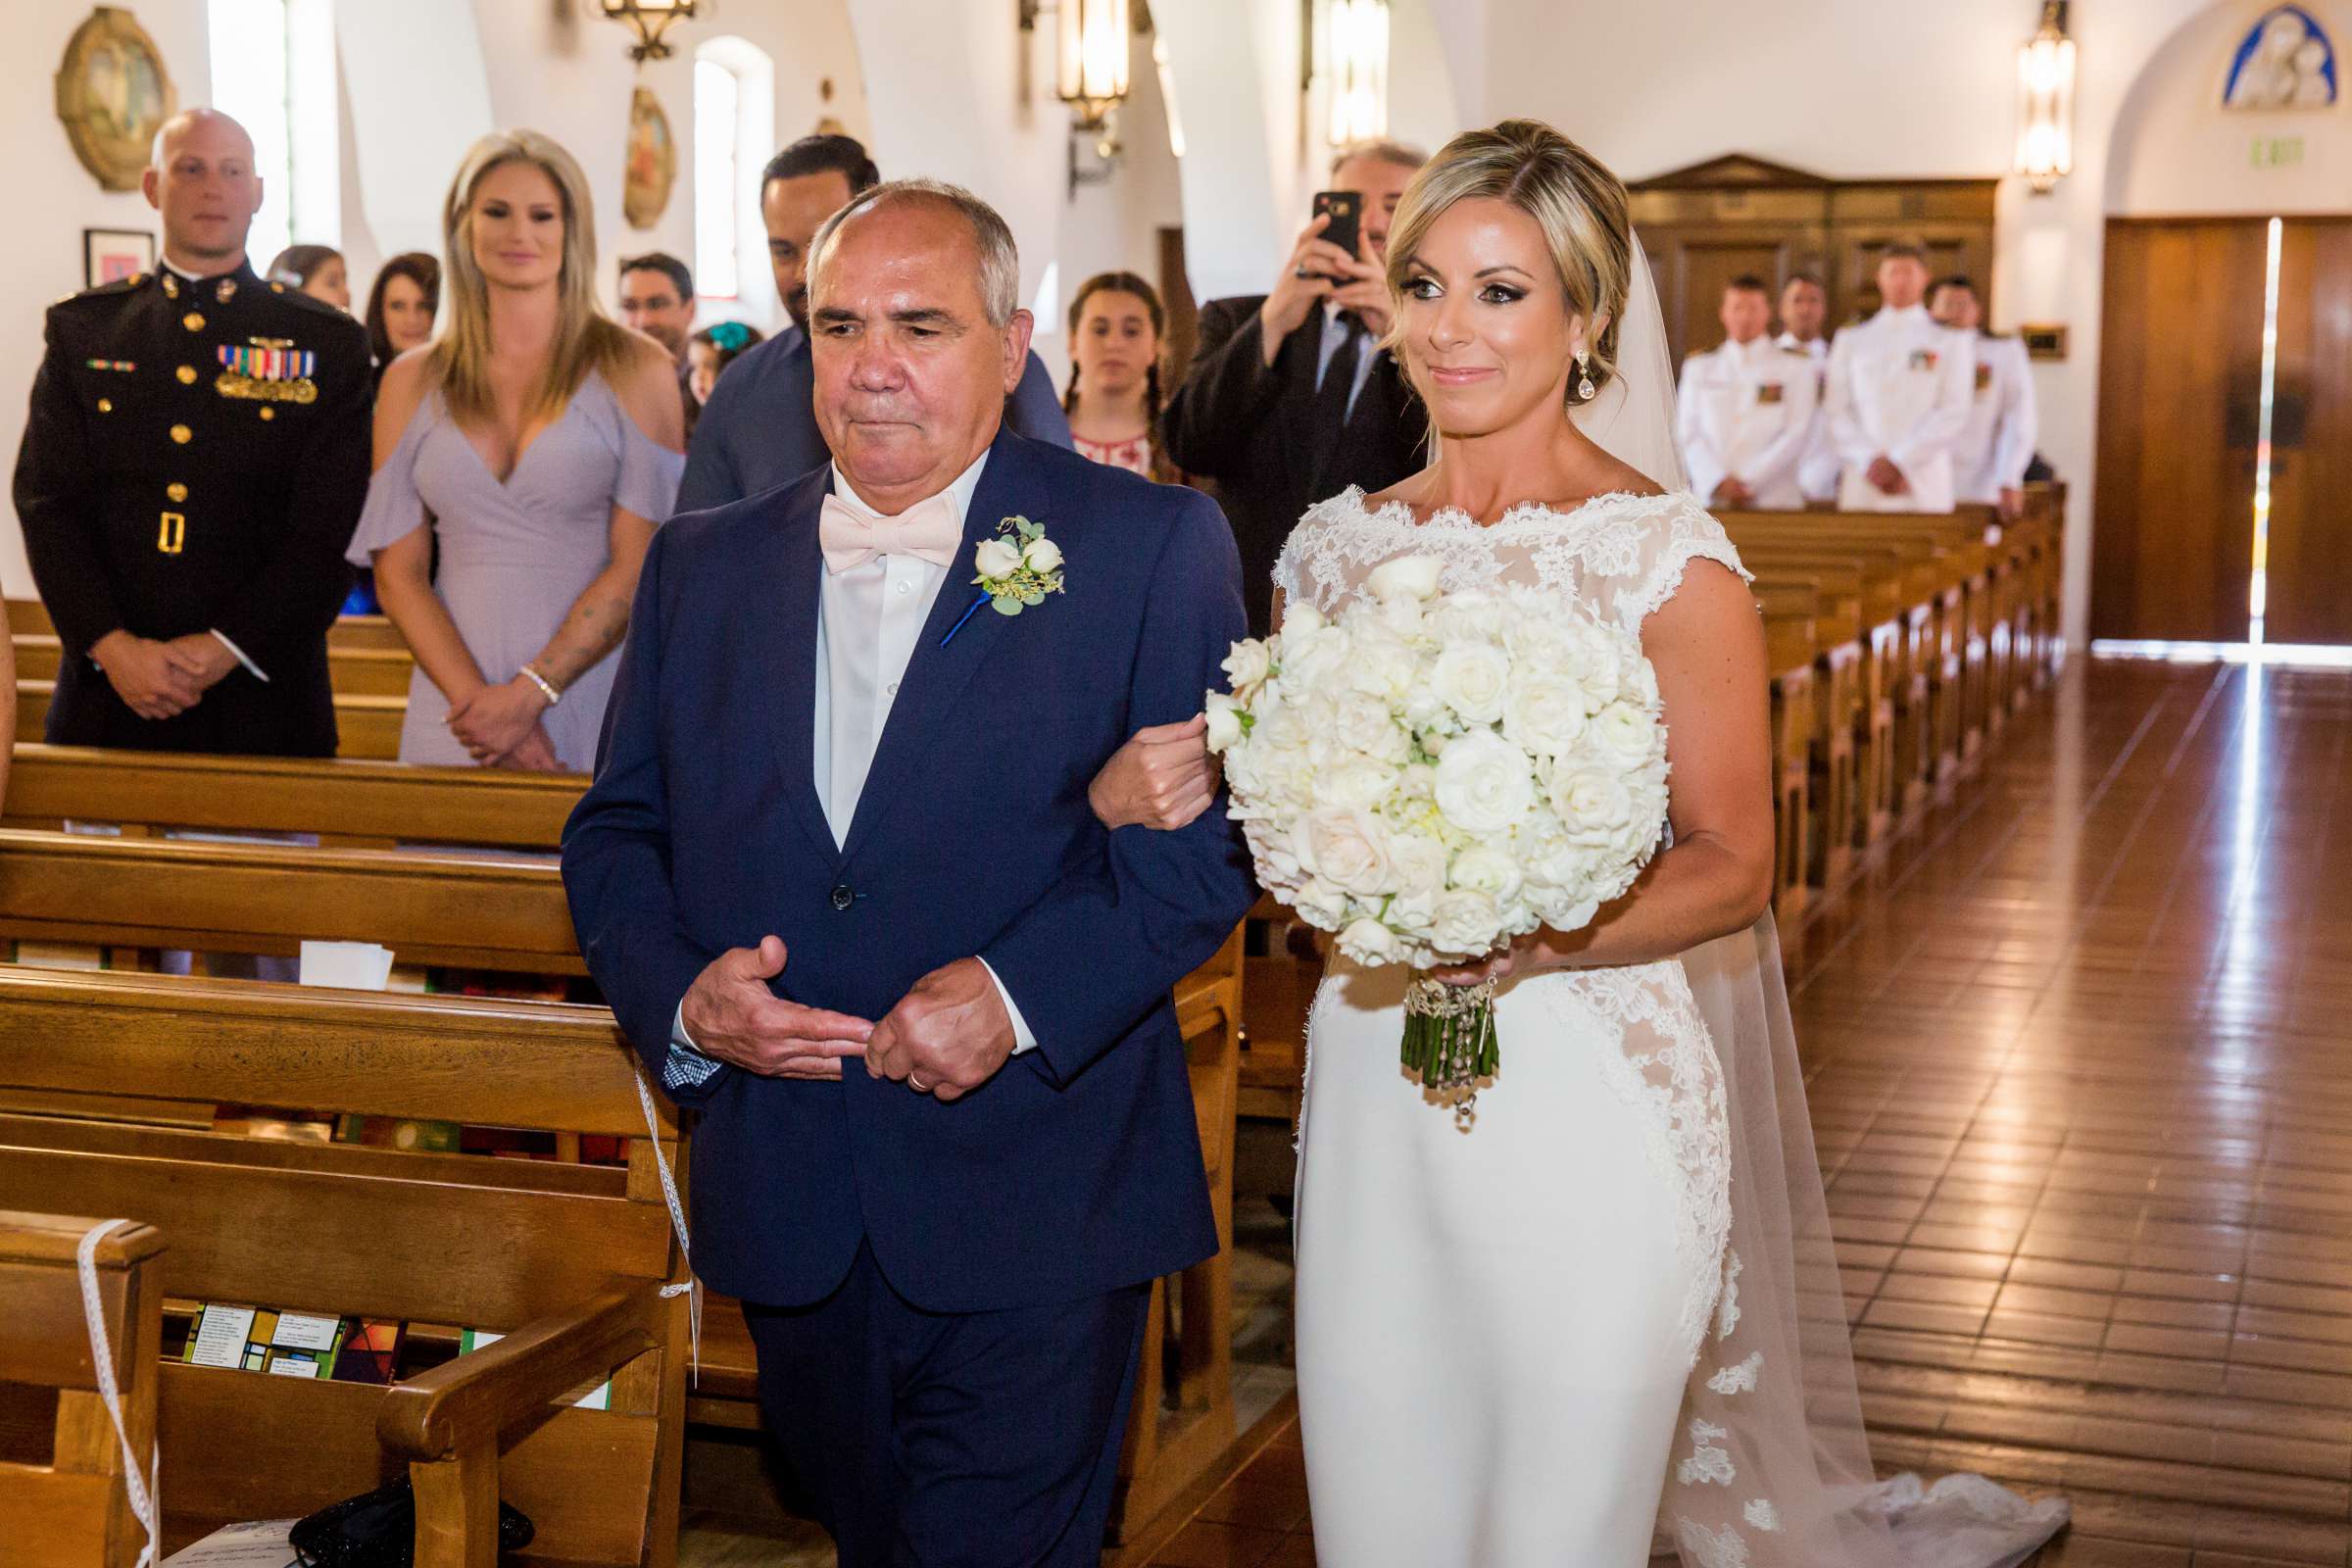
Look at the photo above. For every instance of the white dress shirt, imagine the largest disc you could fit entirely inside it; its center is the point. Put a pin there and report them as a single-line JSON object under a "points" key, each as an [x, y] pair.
{"points": [[1997, 442], [869, 619], [1745, 412], [1900, 387]]}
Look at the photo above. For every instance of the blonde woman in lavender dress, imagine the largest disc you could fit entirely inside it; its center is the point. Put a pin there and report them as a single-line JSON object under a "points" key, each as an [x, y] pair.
{"points": [[536, 446]]}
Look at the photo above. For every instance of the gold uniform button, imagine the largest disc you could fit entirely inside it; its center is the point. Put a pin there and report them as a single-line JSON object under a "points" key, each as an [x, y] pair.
{"points": [[193, 321], [182, 434], [186, 374], [269, 412], [176, 491], [106, 405]]}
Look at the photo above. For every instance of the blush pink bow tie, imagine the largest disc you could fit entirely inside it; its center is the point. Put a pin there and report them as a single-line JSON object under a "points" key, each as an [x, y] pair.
{"points": [[849, 538]]}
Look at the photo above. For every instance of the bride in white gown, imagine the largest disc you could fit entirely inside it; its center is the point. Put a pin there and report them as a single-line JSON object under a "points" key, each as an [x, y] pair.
{"points": [[1606, 1317]]}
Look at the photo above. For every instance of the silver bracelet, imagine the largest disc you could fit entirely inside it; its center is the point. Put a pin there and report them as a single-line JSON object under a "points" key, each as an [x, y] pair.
{"points": [[547, 688]]}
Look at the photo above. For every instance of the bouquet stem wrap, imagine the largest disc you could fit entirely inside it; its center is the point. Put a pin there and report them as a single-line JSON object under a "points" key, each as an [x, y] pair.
{"points": [[1450, 1040]]}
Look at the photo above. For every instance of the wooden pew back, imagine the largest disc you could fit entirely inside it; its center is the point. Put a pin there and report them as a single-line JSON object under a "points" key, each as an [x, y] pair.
{"points": [[465, 1240], [240, 898], [78, 1507], [349, 803]]}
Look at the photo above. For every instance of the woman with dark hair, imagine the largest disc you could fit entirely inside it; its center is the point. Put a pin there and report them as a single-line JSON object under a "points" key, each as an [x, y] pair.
{"points": [[713, 350], [401, 307], [318, 271], [1116, 324]]}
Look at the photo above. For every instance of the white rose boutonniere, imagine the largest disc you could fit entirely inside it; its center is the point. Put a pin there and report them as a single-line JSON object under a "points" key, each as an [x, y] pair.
{"points": [[1016, 568]]}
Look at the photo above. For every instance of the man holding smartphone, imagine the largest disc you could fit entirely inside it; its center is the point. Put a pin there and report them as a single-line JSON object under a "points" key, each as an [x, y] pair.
{"points": [[1291, 398]]}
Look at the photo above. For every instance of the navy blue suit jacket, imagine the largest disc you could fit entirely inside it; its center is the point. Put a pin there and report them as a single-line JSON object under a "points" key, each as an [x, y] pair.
{"points": [[1077, 1168], [759, 430]]}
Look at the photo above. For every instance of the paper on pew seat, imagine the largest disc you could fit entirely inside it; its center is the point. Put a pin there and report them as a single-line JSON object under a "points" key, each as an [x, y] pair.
{"points": [[263, 1543], [352, 965]]}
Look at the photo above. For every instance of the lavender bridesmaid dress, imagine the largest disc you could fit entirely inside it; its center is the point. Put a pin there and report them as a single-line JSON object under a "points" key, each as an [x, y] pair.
{"points": [[515, 556]]}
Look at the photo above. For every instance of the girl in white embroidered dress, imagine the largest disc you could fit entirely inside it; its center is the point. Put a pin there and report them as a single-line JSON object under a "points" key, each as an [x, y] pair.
{"points": [[1526, 1345]]}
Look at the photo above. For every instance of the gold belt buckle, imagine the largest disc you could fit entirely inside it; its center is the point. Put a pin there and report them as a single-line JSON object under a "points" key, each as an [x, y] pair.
{"points": [[173, 534]]}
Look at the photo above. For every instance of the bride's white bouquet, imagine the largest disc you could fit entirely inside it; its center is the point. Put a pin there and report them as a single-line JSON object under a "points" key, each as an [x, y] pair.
{"points": [[1429, 776]]}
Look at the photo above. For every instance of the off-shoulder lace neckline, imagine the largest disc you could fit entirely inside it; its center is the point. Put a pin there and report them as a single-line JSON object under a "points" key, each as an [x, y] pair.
{"points": [[1457, 520]]}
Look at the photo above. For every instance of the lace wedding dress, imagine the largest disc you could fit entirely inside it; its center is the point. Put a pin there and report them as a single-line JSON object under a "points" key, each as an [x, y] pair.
{"points": [[1607, 1317]]}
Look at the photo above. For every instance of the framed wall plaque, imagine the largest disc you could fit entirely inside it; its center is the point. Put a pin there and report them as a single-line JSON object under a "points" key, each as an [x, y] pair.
{"points": [[113, 94]]}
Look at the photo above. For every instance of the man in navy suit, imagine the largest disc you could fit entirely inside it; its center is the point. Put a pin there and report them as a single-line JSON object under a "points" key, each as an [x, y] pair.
{"points": [[841, 880], [761, 428]]}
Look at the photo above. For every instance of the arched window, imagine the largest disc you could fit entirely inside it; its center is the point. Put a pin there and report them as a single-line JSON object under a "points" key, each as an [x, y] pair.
{"points": [[734, 134], [273, 70]]}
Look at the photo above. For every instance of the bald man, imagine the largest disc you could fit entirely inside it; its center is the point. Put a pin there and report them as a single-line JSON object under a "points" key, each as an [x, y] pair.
{"points": [[194, 459]]}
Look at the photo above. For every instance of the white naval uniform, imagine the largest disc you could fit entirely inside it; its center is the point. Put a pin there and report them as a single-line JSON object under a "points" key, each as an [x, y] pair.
{"points": [[1745, 412], [1817, 469], [1899, 388], [1997, 442]]}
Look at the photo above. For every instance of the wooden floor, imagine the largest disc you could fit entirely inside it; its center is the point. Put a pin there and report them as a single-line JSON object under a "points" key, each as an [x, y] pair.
{"points": [[2081, 1061]]}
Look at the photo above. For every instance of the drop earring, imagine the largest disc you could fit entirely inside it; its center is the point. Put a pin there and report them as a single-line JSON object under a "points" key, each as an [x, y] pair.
{"points": [[1584, 370]]}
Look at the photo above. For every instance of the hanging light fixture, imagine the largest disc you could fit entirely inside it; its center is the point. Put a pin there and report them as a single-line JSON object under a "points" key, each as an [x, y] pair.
{"points": [[2045, 102], [1089, 58], [1357, 66], [648, 19]]}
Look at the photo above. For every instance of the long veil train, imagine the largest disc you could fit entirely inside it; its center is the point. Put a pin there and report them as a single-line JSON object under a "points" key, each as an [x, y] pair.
{"points": [[1771, 1465]]}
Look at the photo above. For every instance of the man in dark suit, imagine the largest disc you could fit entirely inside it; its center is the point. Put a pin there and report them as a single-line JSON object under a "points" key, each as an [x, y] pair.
{"points": [[759, 429], [194, 459], [825, 749], [1262, 412]]}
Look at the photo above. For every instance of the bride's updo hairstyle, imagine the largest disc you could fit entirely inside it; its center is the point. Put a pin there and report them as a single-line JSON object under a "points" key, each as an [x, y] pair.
{"points": [[1573, 199]]}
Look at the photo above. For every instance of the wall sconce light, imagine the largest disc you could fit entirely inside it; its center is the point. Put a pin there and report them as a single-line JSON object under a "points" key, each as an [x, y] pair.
{"points": [[648, 19], [2045, 102], [1356, 34], [1089, 58]]}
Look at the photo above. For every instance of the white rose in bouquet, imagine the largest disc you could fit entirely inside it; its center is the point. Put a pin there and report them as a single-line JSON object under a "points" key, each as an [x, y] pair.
{"points": [[1348, 848], [1371, 944], [1246, 668], [1623, 734], [1485, 869], [1041, 555], [1412, 578], [1475, 680], [1429, 775], [1363, 723], [1485, 783], [1544, 713]]}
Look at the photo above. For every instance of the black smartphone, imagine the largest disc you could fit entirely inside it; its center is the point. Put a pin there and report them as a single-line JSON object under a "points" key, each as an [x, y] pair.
{"points": [[1345, 209]]}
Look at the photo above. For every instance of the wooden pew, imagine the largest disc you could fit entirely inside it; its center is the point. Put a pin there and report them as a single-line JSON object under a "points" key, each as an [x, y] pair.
{"points": [[502, 915], [77, 1508], [266, 899], [357, 671], [31, 615], [569, 1260], [350, 803], [1792, 640], [365, 726]]}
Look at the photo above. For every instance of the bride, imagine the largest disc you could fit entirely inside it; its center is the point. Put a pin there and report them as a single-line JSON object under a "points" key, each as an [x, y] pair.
{"points": [[1608, 1316]]}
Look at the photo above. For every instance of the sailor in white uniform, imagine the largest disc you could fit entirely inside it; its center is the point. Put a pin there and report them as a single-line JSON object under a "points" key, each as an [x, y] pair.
{"points": [[1744, 411], [1989, 458], [1898, 397], [1804, 311]]}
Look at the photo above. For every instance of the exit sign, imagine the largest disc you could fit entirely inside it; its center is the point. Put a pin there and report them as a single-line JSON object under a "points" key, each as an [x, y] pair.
{"points": [[2277, 152]]}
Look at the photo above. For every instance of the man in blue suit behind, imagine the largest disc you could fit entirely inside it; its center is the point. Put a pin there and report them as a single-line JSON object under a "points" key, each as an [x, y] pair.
{"points": [[841, 881], [759, 428]]}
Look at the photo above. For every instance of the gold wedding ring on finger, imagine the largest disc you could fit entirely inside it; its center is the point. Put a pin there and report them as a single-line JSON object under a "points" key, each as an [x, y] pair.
{"points": [[918, 1085]]}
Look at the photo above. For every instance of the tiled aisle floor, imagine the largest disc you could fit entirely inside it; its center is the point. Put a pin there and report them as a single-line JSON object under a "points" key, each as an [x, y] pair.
{"points": [[2081, 1072]]}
